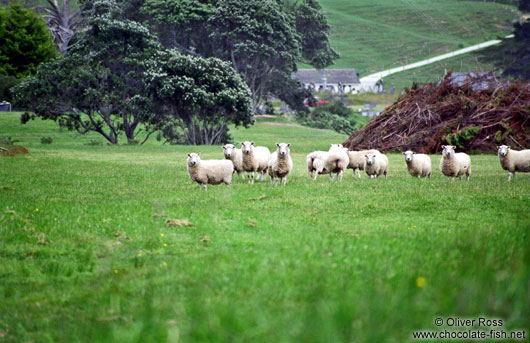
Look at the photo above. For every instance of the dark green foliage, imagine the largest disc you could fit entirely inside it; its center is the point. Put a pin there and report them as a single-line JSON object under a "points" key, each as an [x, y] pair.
{"points": [[46, 140], [461, 137], [25, 41], [312, 25], [263, 40], [6, 83], [335, 107], [326, 120], [198, 98], [101, 84]]}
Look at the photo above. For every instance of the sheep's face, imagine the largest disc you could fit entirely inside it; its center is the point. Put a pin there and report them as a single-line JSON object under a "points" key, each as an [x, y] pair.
{"points": [[283, 148], [408, 155], [247, 147], [228, 150], [370, 159], [193, 159], [448, 150], [503, 150]]}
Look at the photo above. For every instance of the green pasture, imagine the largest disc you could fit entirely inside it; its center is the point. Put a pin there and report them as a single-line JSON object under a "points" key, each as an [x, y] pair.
{"points": [[86, 256], [376, 35]]}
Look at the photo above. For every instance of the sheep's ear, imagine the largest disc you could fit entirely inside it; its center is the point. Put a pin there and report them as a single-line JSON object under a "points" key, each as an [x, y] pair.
{"points": [[365, 155], [189, 155], [288, 144], [251, 143], [413, 153], [242, 143], [278, 145], [442, 146], [403, 153]]}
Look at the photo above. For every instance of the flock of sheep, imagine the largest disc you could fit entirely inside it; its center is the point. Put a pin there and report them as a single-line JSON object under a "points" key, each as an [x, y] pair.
{"points": [[258, 159]]}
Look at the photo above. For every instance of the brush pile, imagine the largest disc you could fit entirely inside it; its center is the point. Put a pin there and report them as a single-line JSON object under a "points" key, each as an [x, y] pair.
{"points": [[476, 114]]}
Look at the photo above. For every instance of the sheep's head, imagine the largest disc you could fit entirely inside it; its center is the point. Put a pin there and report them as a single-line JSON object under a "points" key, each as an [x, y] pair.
{"points": [[336, 147], [448, 150], [228, 149], [193, 159], [503, 150], [408, 155], [283, 148], [247, 147], [370, 159]]}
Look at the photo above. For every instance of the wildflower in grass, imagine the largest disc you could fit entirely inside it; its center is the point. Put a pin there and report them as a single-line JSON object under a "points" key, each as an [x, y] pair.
{"points": [[37, 209], [408, 228], [139, 254], [420, 282], [165, 245], [414, 226], [164, 264], [161, 235], [116, 234], [115, 271]]}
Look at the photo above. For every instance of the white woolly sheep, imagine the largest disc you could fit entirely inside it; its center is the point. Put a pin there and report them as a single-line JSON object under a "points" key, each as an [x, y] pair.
{"points": [[255, 159], [376, 165], [418, 164], [236, 156], [455, 164], [316, 163], [337, 161], [280, 164], [212, 172], [357, 159], [513, 160]]}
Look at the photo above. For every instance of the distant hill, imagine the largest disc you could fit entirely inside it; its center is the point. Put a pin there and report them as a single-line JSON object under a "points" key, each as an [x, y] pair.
{"points": [[376, 35]]}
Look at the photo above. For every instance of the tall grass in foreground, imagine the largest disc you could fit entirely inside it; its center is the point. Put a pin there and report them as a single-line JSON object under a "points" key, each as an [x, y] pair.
{"points": [[85, 255]]}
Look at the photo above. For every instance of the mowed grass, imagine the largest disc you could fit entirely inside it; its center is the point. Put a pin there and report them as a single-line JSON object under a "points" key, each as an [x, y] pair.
{"points": [[376, 35], [85, 254]]}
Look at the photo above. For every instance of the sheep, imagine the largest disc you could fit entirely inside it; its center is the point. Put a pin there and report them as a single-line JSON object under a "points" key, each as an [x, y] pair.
{"points": [[255, 159], [236, 156], [280, 163], [375, 165], [513, 160], [454, 164], [336, 161], [418, 164], [211, 172], [316, 163], [357, 160]]}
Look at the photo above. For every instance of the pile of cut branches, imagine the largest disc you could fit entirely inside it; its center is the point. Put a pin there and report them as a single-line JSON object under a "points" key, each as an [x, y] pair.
{"points": [[475, 115]]}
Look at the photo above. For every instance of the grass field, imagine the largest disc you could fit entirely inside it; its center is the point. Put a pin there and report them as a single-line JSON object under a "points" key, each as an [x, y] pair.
{"points": [[481, 61], [85, 254], [377, 35]]}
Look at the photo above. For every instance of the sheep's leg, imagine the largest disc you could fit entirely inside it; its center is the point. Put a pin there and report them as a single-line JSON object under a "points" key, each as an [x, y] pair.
{"points": [[339, 175], [330, 176], [272, 180], [284, 180], [514, 176], [200, 186], [358, 173], [429, 175], [386, 173]]}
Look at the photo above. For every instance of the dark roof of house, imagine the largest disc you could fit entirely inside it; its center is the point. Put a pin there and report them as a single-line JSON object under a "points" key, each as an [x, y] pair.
{"points": [[343, 76]]}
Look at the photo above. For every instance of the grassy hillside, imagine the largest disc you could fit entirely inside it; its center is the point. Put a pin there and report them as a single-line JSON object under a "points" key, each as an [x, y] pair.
{"points": [[377, 35], [85, 254]]}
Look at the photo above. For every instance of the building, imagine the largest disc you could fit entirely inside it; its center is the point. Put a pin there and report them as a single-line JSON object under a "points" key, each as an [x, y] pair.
{"points": [[333, 80]]}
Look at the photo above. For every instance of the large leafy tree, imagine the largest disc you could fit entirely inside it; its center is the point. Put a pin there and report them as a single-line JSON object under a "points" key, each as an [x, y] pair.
{"points": [[197, 98], [25, 41], [262, 39], [100, 85]]}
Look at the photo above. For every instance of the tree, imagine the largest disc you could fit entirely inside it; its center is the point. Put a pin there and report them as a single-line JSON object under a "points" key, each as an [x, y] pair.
{"points": [[62, 23], [258, 38], [264, 40], [198, 98], [312, 25], [26, 41], [100, 85]]}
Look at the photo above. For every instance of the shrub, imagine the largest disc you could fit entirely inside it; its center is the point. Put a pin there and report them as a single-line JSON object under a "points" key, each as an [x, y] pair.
{"points": [[46, 140]]}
